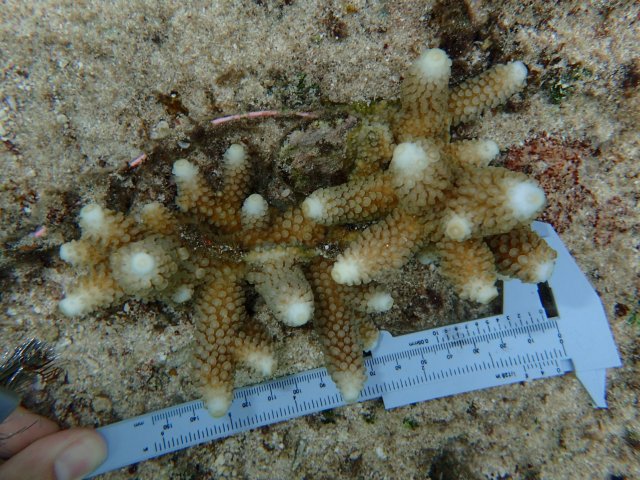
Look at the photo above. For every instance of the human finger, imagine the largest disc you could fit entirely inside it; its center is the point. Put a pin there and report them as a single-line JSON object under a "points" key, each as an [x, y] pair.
{"points": [[66, 455], [21, 429]]}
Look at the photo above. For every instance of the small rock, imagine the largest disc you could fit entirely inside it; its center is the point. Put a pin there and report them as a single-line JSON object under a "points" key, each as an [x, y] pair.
{"points": [[161, 130], [355, 455], [101, 404]]}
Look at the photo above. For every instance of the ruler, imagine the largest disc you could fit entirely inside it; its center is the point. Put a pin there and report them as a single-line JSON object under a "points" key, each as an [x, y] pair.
{"points": [[545, 330]]}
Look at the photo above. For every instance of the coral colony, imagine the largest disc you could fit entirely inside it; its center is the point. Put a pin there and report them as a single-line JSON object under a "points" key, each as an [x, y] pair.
{"points": [[418, 192]]}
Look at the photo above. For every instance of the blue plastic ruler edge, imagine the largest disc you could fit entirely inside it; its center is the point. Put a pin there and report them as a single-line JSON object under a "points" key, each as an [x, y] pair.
{"points": [[521, 344]]}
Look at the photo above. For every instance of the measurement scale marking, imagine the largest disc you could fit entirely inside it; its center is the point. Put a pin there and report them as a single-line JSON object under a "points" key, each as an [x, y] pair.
{"points": [[419, 361]]}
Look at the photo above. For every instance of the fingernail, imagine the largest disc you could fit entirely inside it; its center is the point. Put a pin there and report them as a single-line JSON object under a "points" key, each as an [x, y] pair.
{"points": [[81, 457]]}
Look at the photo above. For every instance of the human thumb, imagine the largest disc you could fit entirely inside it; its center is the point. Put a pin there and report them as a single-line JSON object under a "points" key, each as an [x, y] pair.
{"points": [[67, 455]]}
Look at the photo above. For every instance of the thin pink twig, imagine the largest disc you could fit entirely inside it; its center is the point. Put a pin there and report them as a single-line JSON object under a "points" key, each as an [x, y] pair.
{"points": [[138, 160], [261, 114], [40, 232]]}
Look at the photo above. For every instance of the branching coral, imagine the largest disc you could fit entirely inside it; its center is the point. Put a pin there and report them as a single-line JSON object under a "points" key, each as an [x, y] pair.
{"points": [[418, 191]]}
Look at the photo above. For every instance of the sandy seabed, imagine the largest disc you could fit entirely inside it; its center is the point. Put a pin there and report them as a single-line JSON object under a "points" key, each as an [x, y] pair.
{"points": [[86, 89]]}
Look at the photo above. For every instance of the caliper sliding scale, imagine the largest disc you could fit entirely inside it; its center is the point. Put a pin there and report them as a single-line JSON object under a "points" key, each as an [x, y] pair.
{"points": [[545, 330]]}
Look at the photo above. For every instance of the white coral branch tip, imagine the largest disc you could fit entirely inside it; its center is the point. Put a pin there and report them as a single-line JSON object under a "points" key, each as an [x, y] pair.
{"points": [[543, 272], [487, 150], [518, 72], [254, 206], [261, 362], [350, 384], [380, 302], [480, 291], [347, 272], [297, 313], [525, 200], [235, 156], [92, 218], [75, 305], [313, 208], [69, 253], [409, 160], [217, 400], [185, 170], [434, 64]]}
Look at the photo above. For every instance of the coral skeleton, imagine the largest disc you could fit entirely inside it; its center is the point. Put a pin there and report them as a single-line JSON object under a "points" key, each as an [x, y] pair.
{"points": [[411, 191]]}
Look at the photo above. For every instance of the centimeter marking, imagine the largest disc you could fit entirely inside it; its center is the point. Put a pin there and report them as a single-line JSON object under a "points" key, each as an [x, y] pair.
{"points": [[416, 367]]}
